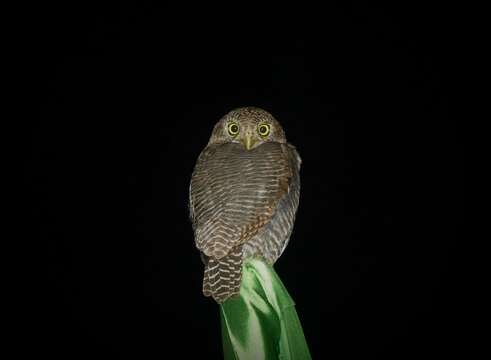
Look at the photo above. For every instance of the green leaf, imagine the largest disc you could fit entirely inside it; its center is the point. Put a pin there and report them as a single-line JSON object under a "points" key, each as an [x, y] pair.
{"points": [[262, 323]]}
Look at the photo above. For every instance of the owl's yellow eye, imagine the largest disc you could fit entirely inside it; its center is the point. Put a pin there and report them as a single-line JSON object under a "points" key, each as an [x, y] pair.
{"points": [[233, 129], [263, 129]]}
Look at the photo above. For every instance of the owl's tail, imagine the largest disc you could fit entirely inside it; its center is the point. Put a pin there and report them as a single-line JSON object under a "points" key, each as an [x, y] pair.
{"points": [[223, 276]]}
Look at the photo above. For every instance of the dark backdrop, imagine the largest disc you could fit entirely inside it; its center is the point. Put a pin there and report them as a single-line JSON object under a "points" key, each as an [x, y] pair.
{"points": [[129, 94]]}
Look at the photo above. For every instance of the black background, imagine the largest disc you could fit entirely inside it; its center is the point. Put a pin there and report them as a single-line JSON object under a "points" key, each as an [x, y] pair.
{"points": [[128, 96]]}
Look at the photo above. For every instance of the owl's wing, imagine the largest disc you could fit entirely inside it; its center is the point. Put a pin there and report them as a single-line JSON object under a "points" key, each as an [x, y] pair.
{"points": [[234, 193]]}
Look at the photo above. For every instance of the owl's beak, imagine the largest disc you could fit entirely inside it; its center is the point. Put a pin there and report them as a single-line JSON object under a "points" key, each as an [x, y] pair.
{"points": [[248, 141]]}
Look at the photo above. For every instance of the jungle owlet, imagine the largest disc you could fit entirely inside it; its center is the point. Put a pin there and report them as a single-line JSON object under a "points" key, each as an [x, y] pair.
{"points": [[244, 194]]}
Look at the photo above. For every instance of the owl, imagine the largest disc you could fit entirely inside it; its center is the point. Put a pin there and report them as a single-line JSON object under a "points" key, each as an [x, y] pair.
{"points": [[243, 197]]}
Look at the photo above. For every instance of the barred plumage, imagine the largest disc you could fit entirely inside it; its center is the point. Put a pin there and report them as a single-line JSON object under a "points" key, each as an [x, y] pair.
{"points": [[243, 198]]}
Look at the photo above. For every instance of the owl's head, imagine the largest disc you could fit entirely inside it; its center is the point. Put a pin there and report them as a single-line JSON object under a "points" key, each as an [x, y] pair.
{"points": [[249, 126]]}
